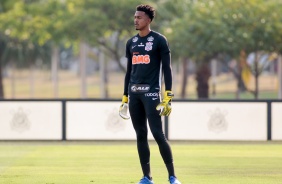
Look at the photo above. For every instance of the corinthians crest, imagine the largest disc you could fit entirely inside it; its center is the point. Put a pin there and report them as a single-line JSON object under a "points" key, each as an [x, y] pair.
{"points": [[217, 122], [20, 121], [114, 122], [149, 46]]}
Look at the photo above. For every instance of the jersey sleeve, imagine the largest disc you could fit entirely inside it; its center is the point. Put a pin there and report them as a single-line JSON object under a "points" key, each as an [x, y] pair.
{"points": [[127, 49], [128, 68], [166, 63]]}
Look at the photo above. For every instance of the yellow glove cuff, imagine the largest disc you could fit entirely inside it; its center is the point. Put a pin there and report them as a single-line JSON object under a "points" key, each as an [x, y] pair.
{"points": [[168, 95], [124, 99]]}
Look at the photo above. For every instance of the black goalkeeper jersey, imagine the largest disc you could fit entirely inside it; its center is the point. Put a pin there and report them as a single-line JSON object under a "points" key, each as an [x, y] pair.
{"points": [[148, 57]]}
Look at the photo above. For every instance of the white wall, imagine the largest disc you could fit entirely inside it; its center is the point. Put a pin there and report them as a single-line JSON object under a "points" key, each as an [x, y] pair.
{"points": [[30, 120], [276, 120], [218, 121], [97, 121]]}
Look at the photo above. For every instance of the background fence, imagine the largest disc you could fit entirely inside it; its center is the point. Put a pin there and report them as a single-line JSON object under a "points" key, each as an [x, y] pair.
{"points": [[246, 120]]}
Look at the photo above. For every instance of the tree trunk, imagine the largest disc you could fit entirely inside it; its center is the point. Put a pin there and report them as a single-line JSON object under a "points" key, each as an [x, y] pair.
{"points": [[213, 74], [83, 52], [256, 76], [202, 76], [103, 75], [54, 68], [279, 76], [1, 83], [184, 77], [31, 80], [240, 83], [241, 86], [13, 78], [2, 48]]}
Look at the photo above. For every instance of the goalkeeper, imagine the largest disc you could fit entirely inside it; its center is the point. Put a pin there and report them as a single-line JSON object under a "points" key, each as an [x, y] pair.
{"points": [[148, 59]]}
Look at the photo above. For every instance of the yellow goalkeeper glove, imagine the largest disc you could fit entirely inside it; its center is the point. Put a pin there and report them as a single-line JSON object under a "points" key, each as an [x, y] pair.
{"points": [[123, 109], [165, 106]]}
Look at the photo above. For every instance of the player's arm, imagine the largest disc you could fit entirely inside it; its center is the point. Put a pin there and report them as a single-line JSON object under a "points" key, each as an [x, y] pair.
{"points": [[166, 63], [164, 106], [123, 110], [127, 76], [167, 71]]}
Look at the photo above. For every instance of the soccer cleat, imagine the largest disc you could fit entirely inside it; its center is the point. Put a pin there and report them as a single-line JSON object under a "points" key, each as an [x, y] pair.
{"points": [[145, 180], [173, 180]]}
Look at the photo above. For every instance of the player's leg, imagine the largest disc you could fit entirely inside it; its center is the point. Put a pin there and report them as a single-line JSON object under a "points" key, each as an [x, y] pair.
{"points": [[139, 121], [156, 127]]}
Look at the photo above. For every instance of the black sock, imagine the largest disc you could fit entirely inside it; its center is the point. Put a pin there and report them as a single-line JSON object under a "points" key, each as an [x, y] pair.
{"points": [[170, 169], [146, 170]]}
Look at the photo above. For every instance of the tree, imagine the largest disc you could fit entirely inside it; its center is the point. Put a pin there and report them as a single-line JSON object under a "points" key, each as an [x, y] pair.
{"points": [[209, 29], [196, 31], [2, 48], [72, 22], [22, 43], [99, 24], [254, 29]]}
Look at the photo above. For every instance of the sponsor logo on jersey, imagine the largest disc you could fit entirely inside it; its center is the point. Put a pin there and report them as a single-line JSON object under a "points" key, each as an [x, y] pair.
{"points": [[140, 59], [140, 88], [135, 39], [150, 39], [151, 94], [141, 45], [149, 46]]}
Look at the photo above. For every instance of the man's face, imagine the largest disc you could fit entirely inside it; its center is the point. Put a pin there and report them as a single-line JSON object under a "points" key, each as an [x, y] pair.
{"points": [[141, 20]]}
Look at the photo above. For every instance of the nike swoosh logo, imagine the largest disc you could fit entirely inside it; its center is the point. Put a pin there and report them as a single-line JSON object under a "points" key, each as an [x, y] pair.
{"points": [[133, 46], [154, 98]]}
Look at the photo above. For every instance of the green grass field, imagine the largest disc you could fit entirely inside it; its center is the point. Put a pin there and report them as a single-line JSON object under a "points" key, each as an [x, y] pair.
{"points": [[117, 163]]}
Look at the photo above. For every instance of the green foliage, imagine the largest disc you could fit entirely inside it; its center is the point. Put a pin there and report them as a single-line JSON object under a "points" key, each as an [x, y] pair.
{"points": [[23, 33], [224, 26], [194, 28], [69, 20]]}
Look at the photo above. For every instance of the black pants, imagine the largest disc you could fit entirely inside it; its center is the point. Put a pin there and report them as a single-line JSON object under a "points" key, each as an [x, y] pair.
{"points": [[141, 108]]}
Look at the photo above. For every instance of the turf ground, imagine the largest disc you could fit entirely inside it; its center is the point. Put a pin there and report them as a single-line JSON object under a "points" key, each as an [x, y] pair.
{"points": [[117, 163]]}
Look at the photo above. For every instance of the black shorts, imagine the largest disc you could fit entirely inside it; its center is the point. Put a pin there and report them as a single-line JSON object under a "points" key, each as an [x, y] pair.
{"points": [[142, 107], [143, 99]]}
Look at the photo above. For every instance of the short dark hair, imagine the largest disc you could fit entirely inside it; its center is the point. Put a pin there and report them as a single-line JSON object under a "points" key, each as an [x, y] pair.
{"points": [[149, 10]]}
